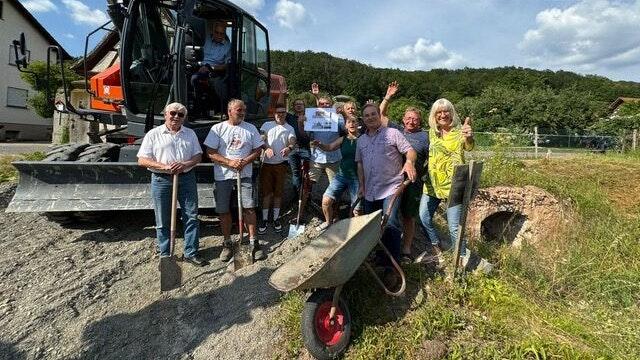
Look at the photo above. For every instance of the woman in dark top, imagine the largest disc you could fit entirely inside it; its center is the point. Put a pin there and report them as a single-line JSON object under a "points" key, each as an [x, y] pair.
{"points": [[347, 176]]}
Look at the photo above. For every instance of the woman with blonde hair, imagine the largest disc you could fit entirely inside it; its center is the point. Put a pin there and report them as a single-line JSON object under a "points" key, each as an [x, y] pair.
{"points": [[448, 141]]}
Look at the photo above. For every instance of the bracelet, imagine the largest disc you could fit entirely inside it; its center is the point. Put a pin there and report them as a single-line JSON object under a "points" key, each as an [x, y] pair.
{"points": [[387, 98]]}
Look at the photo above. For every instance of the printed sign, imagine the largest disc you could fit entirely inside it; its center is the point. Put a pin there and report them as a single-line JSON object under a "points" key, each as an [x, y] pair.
{"points": [[321, 119]]}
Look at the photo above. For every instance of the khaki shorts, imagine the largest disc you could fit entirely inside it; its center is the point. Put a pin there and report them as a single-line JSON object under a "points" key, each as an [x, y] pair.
{"points": [[316, 169], [272, 179]]}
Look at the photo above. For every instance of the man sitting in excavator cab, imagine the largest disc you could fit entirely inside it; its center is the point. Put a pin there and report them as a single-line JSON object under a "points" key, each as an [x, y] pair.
{"points": [[214, 69]]}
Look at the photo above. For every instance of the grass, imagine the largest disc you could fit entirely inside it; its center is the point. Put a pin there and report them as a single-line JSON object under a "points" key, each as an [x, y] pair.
{"points": [[579, 299], [8, 172]]}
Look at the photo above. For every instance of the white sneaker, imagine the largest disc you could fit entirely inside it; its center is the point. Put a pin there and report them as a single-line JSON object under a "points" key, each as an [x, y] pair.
{"points": [[322, 227]]}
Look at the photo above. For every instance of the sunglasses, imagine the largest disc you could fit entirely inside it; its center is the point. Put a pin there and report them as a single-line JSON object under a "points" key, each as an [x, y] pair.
{"points": [[174, 113]]}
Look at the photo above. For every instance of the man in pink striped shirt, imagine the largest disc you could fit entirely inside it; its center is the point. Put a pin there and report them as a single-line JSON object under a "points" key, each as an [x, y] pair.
{"points": [[381, 171]]}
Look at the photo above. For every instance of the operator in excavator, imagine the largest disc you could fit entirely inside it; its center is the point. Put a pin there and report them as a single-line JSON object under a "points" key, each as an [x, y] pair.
{"points": [[213, 72]]}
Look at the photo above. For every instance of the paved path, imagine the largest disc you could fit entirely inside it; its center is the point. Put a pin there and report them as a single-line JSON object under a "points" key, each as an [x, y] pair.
{"points": [[14, 148]]}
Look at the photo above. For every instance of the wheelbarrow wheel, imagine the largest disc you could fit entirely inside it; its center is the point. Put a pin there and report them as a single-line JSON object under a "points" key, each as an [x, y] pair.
{"points": [[324, 338]]}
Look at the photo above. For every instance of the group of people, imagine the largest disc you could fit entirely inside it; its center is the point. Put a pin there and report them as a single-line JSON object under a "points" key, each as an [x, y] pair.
{"points": [[369, 157]]}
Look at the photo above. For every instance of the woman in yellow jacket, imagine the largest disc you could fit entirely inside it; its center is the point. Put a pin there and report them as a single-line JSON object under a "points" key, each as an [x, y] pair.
{"points": [[448, 141]]}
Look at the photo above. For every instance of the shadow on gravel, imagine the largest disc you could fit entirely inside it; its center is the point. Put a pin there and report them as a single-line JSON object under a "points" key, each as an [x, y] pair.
{"points": [[115, 235], [96, 220], [9, 351], [170, 328]]}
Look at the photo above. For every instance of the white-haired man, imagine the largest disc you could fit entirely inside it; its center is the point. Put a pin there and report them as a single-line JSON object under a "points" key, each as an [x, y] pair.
{"points": [[167, 150]]}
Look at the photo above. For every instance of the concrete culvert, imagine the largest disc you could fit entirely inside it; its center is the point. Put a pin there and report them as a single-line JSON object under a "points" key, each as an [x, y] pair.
{"points": [[503, 226], [512, 215]]}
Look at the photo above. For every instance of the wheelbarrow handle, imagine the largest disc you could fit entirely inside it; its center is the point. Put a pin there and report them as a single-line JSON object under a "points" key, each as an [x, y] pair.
{"points": [[387, 212], [398, 269]]}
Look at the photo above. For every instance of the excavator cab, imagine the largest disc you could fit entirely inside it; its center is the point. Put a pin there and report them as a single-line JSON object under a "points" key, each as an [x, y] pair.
{"points": [[163, 48]]}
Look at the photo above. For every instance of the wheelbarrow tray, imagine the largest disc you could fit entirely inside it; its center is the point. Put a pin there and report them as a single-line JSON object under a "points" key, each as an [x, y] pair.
{"points": [[333, 257]]}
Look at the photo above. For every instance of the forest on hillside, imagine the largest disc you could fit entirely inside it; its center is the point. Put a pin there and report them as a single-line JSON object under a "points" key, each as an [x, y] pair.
{"points": [[511, 98]]}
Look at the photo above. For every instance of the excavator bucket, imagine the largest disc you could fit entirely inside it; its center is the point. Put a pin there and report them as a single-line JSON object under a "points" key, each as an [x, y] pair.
{"points": [[52, 186]]}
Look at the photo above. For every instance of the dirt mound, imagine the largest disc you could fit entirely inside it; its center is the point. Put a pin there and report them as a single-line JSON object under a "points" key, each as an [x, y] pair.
{"points": [[514, 215], [92, 292]]}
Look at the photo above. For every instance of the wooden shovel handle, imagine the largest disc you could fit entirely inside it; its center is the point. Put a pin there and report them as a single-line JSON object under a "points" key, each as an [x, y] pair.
{"points": [[174, 213], [240, 219]]}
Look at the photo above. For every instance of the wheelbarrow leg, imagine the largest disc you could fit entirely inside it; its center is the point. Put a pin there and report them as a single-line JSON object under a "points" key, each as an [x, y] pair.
{"points": [[334, 303], [397, 267]]}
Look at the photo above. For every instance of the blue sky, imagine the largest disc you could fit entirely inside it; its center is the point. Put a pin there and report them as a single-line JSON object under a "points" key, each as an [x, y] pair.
{"points": [[586, 36]]}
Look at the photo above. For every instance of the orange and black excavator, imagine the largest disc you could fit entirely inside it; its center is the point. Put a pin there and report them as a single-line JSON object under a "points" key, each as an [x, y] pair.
{"points": [[160, 48]]}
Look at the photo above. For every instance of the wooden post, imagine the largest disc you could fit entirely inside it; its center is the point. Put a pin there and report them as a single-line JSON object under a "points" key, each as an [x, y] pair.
{"points": [[535, 140], [634, 141], [623, 138], [472, 174]]}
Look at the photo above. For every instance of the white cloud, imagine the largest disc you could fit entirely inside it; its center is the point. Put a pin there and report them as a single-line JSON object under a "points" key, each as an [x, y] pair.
{"points": [[251, 6], [39, 5], [424, 55], [289, 13], [589, 34], [70, 36], [81, 13]]}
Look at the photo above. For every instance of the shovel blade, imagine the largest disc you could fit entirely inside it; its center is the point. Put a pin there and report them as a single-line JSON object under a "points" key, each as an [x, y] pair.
{"points": [[242, 255], [170, 273], [295, 230]]}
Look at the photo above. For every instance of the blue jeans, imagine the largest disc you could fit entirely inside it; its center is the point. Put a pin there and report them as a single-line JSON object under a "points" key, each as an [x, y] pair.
{"points": [[339, 184], [392, 234], [428, 206], [161, 185], [295, 162]]}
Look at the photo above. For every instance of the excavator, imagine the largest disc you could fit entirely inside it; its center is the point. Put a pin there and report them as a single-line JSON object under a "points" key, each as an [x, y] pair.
{"points": [[160, 46]]}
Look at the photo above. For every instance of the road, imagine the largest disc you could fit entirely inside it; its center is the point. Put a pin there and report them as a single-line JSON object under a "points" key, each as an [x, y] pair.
{"points": [[15, 148]]}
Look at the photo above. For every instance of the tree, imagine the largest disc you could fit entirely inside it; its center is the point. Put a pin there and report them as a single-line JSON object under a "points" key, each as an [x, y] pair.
{"points": [[37, 78]]}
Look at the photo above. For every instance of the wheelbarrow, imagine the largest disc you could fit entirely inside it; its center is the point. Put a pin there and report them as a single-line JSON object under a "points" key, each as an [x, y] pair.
{"points": [[323, 267]]}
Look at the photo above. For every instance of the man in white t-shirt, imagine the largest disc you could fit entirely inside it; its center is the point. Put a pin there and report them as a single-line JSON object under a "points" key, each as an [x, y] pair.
{"points": [[174, 149], [232, 146], [280, 139]]}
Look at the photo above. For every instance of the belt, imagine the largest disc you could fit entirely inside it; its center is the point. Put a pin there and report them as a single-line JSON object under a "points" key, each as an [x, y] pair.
{"points": [[169, 175]]}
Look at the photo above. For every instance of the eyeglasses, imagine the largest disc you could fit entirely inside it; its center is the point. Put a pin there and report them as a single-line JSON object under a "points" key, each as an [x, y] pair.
{"points": [[174, 113]]}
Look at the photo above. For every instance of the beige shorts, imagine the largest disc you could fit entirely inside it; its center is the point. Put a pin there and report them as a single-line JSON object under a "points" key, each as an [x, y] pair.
{"points": [[316, 170]]}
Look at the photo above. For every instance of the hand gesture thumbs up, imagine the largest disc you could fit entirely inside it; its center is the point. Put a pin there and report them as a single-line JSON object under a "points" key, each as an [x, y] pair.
{"points": [[467, 132]]}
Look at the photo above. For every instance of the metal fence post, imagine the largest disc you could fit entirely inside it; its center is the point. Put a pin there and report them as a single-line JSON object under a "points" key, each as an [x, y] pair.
{"points": [[535, 140]]}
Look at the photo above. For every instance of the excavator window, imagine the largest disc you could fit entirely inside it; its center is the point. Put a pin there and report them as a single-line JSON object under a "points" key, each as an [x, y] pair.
{"points": [[150, 70], [254, 76]]}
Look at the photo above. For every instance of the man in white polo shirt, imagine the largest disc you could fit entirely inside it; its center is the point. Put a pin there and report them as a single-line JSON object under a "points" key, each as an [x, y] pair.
{"points": [[232, 147], [174, 149]]}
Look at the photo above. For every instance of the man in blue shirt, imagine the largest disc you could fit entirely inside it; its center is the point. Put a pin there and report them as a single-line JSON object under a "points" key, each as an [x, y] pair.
{"points": [[213, 72]]}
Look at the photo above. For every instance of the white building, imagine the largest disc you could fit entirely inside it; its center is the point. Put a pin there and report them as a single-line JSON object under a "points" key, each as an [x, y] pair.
{"points": [[16, 120]]}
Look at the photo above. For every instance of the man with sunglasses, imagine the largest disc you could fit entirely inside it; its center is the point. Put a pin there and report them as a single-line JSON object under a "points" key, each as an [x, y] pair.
{"points": [[167, 150]]}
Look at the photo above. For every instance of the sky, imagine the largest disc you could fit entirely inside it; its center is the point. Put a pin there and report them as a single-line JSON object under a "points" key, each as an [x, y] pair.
{"points": [[600, 37]]}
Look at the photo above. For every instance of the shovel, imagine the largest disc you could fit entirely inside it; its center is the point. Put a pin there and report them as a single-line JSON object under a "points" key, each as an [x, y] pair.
{"points": [[242, 255], [297, 229], [170, 272]]}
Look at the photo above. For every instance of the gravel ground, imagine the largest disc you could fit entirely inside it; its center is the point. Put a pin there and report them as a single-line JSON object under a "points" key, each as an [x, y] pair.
{"points": [[92, 292]]}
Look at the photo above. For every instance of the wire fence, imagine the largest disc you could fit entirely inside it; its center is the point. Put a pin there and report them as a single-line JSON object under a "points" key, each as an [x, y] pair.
{"points": [[543, 143]]}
